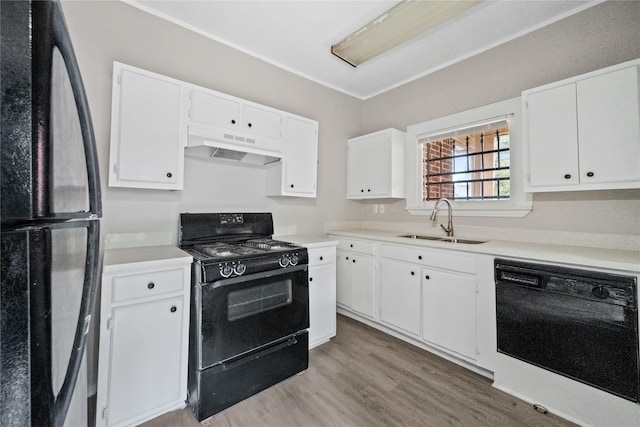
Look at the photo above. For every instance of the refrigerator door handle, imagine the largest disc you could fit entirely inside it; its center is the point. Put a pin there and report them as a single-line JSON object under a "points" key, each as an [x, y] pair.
{"points": [[63, 399], [62, 40]]}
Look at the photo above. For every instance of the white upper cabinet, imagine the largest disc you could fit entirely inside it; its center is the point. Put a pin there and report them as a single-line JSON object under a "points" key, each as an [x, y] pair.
{"points": [[584, 133], [375, 166], [148, 135], [232, 121], [296, 174]]}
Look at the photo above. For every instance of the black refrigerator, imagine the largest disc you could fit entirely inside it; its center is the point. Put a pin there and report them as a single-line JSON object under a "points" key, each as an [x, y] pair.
{"points": [[49, 208]]}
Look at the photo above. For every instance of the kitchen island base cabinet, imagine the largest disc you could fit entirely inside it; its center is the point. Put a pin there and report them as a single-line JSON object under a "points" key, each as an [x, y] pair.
{"points": [[142, 370]]}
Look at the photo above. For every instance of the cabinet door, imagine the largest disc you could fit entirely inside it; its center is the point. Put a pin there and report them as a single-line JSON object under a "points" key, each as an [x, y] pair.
{"points": [[609, 127], [213, 110], [147, 135], [261, 122], [552, 134], [378, 175], [145, 358], [449, 311], [343, 279], [357, 169], [362, 284], [400, 295], [322, 304], [301, 157]]}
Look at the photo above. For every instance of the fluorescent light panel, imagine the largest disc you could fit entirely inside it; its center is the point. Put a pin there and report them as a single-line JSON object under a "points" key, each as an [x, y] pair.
{"points": [[397, 25]]}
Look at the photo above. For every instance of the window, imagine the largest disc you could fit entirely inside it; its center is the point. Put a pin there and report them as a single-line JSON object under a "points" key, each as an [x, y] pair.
{"points": [[472, 165], [473, 158]]}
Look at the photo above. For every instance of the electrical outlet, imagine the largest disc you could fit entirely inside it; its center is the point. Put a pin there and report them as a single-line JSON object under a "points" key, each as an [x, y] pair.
{"points": [[381, 209], [375, 208]]}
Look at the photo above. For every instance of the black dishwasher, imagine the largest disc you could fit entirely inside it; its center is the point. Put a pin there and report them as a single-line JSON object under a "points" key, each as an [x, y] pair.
{"points": [[577, 323]]}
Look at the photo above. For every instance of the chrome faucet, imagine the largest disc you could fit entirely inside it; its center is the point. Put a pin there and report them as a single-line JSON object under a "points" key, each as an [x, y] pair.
{"points": [[434, 216]]}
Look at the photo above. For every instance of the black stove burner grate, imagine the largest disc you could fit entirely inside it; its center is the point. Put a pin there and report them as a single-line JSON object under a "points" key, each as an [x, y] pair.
{"points": [[225, 250], [270, 244]]}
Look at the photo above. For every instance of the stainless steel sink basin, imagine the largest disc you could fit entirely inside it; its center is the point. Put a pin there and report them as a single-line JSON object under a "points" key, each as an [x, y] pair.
{"points": [[418, 236], [443, 239], [456, 240]]}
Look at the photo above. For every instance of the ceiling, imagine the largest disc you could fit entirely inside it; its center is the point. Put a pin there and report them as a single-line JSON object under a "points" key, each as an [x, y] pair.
{"points": [[297, 35]]}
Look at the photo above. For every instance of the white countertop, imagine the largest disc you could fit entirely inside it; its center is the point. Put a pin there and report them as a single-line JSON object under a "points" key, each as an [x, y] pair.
{"points": [[623, 260], [308, 241], [143, 257]]}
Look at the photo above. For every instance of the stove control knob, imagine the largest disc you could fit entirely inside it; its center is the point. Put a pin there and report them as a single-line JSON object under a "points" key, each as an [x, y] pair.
{"points": [[226, 270], [294, 259], [284, 261], [239, 269]]}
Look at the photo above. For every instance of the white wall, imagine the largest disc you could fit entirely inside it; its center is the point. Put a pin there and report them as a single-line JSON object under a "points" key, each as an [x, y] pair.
{"points": [[107, 31], [604, 35]]}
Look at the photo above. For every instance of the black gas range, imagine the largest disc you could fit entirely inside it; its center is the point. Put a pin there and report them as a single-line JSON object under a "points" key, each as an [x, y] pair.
{"points": [[249, 308]]}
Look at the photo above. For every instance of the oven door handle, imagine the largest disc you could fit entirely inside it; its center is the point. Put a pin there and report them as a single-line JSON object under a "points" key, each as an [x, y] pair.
{"points": [[256, 276]]}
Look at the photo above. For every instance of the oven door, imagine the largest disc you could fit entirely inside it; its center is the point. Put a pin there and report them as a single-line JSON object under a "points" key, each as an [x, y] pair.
{"points": [[243, 313]]}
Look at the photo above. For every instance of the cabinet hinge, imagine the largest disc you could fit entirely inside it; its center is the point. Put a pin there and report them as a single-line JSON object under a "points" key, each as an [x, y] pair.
{"points": [[120, 78], [109, 324], [115, 168], [477, 350], [105, 411]]}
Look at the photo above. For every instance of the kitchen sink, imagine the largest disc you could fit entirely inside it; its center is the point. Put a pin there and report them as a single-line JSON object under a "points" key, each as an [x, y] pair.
{"points": [[418, 236], [442, 239], [467, 241]]}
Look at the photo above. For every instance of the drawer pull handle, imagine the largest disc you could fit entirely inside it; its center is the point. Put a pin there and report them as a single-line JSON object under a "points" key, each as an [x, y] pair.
{"points": [[174, 309], [151, 285], [567, 176], [590, 174]]}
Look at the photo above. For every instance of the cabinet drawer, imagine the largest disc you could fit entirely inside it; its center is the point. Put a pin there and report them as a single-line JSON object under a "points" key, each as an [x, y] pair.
{"points": [[433, 258], [322, 256], [354, 245], [147, 285]]}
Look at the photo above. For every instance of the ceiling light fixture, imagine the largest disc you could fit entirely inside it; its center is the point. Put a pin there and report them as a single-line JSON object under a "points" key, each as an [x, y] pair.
{"points": [[402, 22]]}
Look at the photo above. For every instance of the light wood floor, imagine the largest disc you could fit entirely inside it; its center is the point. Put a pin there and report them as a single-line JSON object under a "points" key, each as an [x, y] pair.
{"points": [[364, 377]]}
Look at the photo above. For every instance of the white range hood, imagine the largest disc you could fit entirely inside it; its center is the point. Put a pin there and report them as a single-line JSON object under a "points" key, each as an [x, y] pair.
{"points": [[205, 141]]}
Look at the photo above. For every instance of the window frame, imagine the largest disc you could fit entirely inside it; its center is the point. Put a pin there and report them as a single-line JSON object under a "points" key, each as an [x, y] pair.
{"points": [[519, 204]]}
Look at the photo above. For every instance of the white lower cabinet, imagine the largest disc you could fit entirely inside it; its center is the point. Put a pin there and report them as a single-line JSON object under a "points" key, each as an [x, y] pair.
{"points": [[356, 286], [400, 295], [142, 363], [449, 316], [322, 295]]}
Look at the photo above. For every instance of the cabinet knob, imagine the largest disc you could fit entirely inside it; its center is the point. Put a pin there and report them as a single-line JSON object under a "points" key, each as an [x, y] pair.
{"points": [[311, 279], [291, 185], [321, 258], [233, 122], [151, 285], [347, 258], [413, 273], [590, 174], [419, 256], [567, 176], [169, 174], [174, 309], [427, 277], [362, 191], [351, 245], [369, 190], [353, 260], [249, 125]]}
